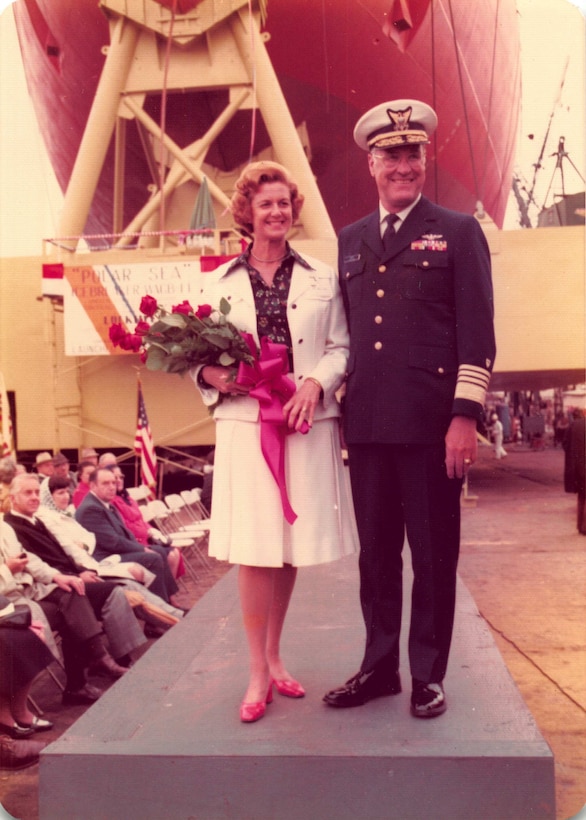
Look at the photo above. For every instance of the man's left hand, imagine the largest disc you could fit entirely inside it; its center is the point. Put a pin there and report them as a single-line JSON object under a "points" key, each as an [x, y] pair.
{"points": [[90, 577], [461, 446]]}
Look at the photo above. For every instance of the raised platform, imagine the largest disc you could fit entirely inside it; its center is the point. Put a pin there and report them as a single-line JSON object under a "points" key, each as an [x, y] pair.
{"points": [[166, 741]]}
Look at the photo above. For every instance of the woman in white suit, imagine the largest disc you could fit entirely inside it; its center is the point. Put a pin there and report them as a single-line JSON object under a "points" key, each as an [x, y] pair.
{"points": [[295, 301]]}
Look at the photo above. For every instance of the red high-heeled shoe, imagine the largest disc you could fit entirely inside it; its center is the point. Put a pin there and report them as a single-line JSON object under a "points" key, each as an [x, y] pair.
{"points": [[250, 712], [289, 688]]}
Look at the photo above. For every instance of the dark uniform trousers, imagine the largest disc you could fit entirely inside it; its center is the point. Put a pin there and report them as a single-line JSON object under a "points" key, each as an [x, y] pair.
{"points": [[400, 488]]}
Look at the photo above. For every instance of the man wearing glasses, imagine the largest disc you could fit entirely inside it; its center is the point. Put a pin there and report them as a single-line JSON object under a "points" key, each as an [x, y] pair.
{"points": [[416, 282]]}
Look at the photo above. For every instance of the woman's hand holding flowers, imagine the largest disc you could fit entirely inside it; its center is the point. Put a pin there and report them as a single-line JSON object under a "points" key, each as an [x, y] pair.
{"points": [[222, 378]]}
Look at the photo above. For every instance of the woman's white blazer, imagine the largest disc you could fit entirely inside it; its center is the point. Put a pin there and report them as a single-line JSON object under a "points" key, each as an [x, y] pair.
{"points": [[317, 322]]}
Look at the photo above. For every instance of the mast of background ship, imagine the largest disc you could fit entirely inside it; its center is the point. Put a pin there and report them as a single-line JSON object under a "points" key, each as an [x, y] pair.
{"points": [[132, 71]]}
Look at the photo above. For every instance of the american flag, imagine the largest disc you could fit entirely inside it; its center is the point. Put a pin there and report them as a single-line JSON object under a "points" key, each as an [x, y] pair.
{"points": [[144, 447]]}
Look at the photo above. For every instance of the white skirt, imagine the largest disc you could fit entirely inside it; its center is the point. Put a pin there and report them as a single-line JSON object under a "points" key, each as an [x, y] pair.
{"points": [[248, 526]]}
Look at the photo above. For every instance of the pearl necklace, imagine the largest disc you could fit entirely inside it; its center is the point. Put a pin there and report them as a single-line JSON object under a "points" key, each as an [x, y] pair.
{"points": [[267, 261]]}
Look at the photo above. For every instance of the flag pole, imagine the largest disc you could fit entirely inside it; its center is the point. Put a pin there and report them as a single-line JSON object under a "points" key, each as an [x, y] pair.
{"points": [[144, 445]]}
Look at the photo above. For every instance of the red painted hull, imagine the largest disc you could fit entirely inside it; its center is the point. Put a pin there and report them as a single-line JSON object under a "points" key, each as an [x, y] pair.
{"points": [[334, 62]]}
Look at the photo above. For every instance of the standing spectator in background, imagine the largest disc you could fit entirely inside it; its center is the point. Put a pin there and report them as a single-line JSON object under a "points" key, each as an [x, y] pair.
{"points": [[208, 481], [561, 427], [575, 466], [497, 436]]}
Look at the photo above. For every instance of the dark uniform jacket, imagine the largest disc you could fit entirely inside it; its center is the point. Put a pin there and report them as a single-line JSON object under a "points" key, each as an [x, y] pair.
{"points": [[421, 325]]}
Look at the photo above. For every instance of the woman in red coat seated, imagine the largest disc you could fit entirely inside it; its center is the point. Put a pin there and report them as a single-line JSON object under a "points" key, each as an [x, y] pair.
{"points": [[144, 534]]}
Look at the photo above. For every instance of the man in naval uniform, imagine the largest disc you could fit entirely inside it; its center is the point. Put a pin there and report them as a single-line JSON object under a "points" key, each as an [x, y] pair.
{"points": [[416, 283]]}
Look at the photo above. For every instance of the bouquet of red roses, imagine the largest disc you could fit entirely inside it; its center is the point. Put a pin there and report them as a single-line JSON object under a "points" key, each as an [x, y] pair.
{"points": [[183, 338]]}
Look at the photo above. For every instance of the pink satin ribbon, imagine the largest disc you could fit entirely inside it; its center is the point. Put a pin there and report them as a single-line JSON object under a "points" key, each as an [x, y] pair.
{"points": [[270, 385]]}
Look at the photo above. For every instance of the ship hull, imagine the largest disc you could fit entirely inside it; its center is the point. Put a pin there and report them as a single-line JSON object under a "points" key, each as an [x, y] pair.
{"points": [[333, 61]]}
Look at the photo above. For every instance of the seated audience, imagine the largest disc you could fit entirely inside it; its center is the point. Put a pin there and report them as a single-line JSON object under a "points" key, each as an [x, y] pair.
{"points": [[79, 544], [23, 656], [44, 464], [107, 600], [107, 460], [89, 454], [62, 465], [8, 468], [84, 472], [132, 516], [59, 601], [61, 468], [97, 514]]}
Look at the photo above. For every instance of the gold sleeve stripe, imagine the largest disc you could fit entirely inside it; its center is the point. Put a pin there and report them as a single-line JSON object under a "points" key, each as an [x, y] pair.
{"points": [[472, 383]]}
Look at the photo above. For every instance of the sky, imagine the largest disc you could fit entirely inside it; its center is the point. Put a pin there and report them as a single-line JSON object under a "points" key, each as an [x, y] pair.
{"points": [[553, 47]]}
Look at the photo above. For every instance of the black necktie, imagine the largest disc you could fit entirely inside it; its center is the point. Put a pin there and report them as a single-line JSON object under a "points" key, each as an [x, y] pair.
{"points": [[390, 231]]}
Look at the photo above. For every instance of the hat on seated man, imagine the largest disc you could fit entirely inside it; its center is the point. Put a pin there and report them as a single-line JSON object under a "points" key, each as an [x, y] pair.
{"points": [[44, 464]]}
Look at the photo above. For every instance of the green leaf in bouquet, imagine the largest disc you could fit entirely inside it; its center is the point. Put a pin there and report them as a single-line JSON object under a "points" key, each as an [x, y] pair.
{"points": [[217, 338], [225, 306], [176, 365], [158, 327], [159, 345], [226, 359], [156, 357], [173, 320]]}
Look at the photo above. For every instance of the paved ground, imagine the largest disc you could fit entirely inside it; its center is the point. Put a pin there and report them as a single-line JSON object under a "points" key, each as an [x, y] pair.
{"points": [[525, 564]]}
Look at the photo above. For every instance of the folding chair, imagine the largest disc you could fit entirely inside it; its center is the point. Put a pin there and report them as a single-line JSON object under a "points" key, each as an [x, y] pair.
{"points": [[159, 515], [182, 516], [140, 494], [193, 500], [190, 526]]}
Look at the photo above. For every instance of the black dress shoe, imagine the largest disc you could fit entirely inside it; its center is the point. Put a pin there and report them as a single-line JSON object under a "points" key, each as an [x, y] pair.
{"points": [[37, 724], [106, 665], [18, 754], [15, 730], [152, 631], [363, 687], [87, 694], [427, 700]]}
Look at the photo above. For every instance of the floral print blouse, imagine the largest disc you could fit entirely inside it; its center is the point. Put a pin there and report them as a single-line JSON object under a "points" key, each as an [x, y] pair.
{"points": [[271, 301]]}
